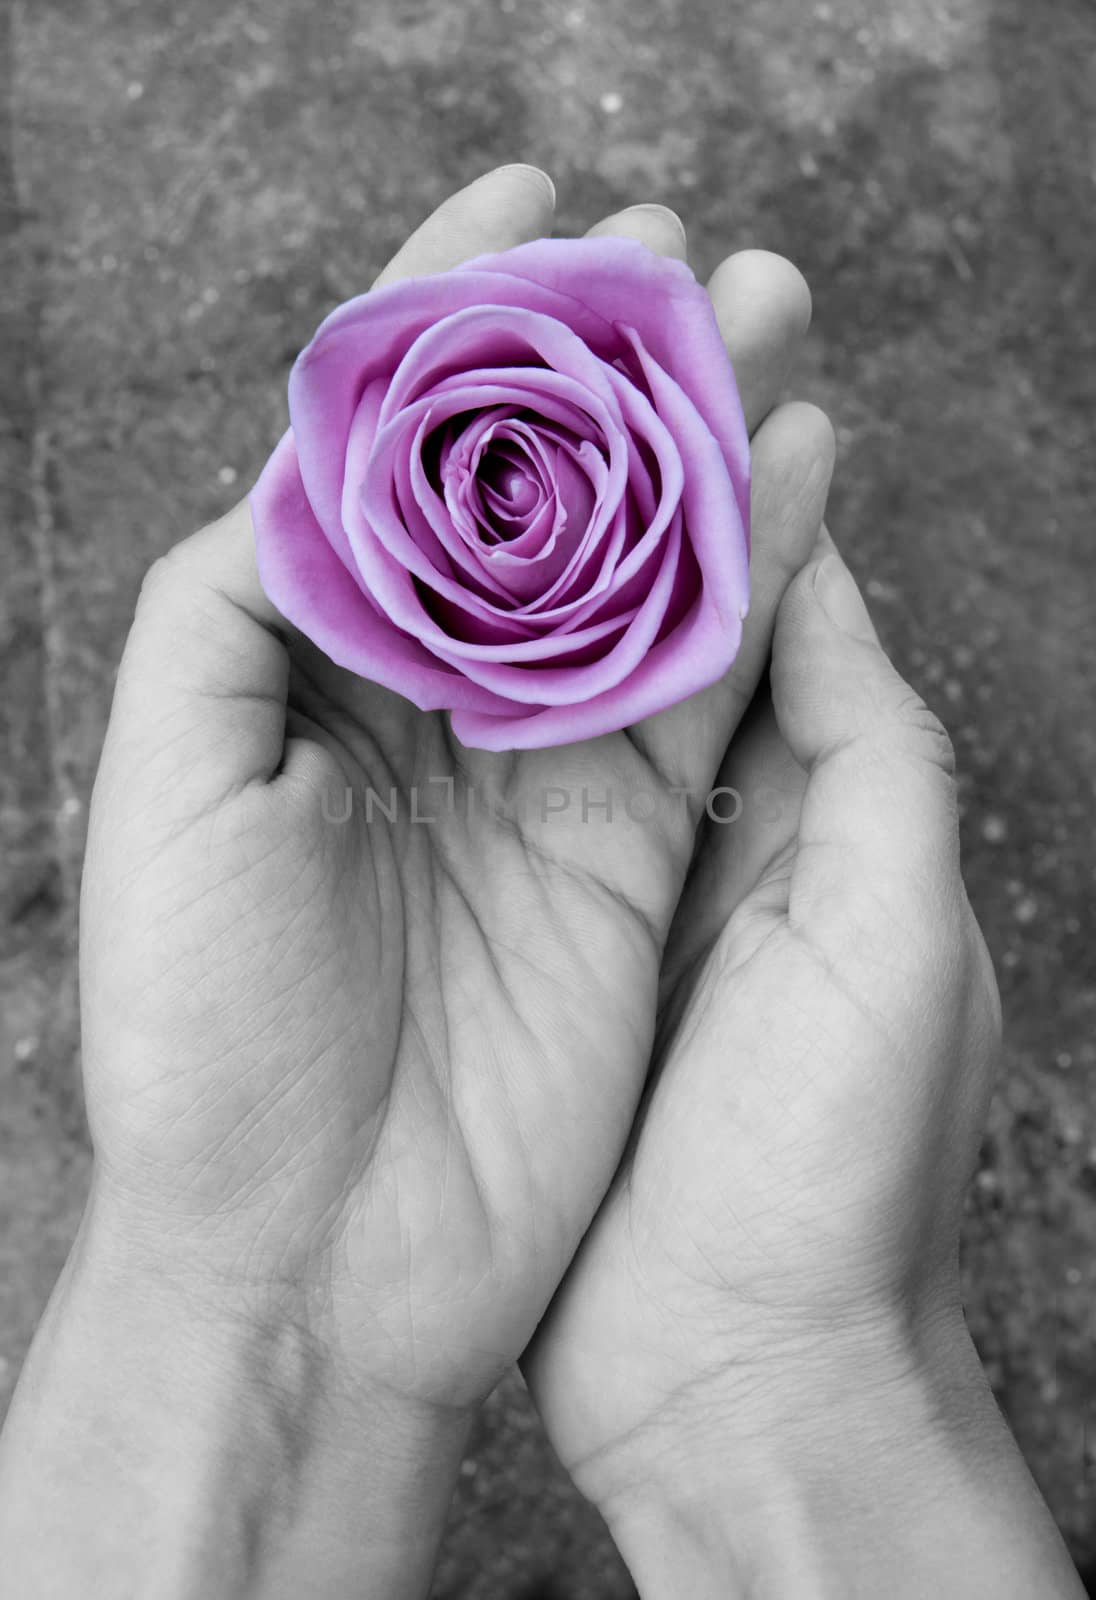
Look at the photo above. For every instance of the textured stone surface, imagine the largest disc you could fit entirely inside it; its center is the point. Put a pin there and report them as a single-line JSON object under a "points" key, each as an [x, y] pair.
{"points": [[184, 190]]}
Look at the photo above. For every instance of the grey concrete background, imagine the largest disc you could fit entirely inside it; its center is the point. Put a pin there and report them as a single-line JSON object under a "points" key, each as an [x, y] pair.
{"points": [[186, 188]]}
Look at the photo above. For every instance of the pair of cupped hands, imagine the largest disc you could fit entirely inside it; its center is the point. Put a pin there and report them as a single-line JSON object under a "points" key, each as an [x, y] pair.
{"points": [[676, 1113]]}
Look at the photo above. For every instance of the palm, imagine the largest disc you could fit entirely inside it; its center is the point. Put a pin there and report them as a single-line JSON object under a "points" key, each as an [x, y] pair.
{"points": [[521, 1009], [496, 1062]]}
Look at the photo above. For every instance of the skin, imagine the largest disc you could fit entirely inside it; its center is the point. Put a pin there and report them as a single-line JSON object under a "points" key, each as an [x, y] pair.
{"points": [[829, 1009], [757, 1366]]}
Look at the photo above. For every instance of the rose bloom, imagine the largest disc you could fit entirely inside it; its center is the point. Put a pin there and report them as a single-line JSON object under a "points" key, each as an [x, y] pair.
{"points": [[517, 491]]}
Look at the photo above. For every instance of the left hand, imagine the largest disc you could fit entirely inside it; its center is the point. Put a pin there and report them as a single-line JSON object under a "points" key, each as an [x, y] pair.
{"points": [[355, 1090]]}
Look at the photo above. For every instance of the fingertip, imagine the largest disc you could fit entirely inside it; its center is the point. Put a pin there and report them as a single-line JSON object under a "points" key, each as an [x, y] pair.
{"points": [[815, 438], [824, 593], [498, 210], [836, 592], [521, 174], [654, 225], [763, 278], [832, 682], [508, 205], [799, 615], [763, 308]]}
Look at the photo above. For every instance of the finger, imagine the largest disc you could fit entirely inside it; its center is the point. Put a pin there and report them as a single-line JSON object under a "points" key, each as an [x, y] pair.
{"points": [[763, 307], [503, 208], [757, 798], [200, 702], [659, 228], [792, 465], [878, 830], [764, 787], [762, 304]]}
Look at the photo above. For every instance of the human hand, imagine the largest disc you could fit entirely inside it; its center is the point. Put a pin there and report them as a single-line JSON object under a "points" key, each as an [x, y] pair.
{"points": [[827, 1033], [767, 1307], [373, 1077]]}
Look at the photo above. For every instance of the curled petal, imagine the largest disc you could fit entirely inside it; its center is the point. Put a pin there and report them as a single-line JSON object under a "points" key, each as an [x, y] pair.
{"points": [[312, 589]]}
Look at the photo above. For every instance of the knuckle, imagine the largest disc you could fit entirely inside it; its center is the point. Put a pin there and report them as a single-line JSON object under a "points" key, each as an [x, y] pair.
{"points": [[164, 578], [174, 575], [157, 578], [158, 599]]}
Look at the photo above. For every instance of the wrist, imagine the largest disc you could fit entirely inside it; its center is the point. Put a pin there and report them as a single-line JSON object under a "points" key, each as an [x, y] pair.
{"points": [[884, 1467], [183, 1447]]}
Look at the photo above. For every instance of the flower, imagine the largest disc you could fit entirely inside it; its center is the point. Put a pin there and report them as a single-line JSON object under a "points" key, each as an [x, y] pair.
{"points": [[517, 491]]}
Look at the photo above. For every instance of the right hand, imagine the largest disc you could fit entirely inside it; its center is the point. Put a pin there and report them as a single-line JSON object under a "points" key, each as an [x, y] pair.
{"points": [[786, 1220], [757, 1367]]}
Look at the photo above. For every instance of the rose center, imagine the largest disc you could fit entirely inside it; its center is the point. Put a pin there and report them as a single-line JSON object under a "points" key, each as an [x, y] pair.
{"points": [[512, 491], [509, 481]]}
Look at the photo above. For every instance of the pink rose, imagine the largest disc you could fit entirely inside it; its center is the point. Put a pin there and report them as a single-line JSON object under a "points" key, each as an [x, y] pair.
{"points": [[517, 491]]}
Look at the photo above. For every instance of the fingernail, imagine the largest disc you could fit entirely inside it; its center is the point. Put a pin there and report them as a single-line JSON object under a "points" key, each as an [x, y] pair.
{"points": [[841, 600], [537, 174]]}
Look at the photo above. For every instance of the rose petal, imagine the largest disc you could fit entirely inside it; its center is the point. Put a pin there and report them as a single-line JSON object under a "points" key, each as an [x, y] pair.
{"points": [[717, 532], [305, 579], [388, 557], [503, 668], [366, 339], [670, 311]]}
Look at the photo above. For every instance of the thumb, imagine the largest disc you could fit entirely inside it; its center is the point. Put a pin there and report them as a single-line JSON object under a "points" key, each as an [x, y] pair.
{"points": [[878, 838]]}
